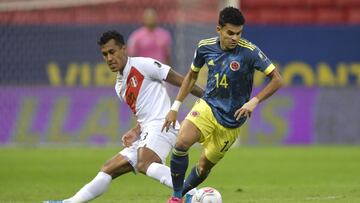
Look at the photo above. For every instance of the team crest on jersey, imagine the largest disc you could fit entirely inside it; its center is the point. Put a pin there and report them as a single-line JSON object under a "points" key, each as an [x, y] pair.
{"points": [[133, 81], [195, 114], [234, 65]]}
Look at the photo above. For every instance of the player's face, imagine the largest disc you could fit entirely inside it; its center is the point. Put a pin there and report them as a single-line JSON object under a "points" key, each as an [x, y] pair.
{"points": [[114, 55], [229, 35]]}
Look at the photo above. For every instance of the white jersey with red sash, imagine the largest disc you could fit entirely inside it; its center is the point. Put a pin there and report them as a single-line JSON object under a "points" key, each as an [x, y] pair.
{"points": [[142, 87]]}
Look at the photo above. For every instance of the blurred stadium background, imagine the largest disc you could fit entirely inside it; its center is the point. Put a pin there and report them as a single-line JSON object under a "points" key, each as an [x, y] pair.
{"points": [[55, 88]]}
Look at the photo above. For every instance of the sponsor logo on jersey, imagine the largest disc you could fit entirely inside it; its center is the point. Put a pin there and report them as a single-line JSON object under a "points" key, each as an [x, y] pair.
{"points": [[234, 65], [194, 113]]}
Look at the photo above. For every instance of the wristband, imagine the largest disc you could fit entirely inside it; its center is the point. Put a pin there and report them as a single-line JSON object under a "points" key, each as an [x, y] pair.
{"points": [[255, 100], [176, 105]]}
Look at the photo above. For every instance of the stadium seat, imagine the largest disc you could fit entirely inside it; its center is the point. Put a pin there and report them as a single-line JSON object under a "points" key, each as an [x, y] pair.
{"points": [[319, 3], [251, 16], [280, 16], [330, 16], [27, 17], [354, 16], [347, 3], [270, 3], [59, 16], [5, 17], [266, 16], [299, 16]]}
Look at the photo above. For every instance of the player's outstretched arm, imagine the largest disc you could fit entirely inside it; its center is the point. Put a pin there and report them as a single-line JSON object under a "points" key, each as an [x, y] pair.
{"points": [[187, 85], [177, 79], [274, 84]]}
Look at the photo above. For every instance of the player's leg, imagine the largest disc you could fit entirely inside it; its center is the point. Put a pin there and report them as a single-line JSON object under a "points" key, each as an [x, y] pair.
{"points": [[188, 135], [152, 156], [154, 147], [216, 143], [150, 164], [198, 173], [113, 168], [193, 129]]}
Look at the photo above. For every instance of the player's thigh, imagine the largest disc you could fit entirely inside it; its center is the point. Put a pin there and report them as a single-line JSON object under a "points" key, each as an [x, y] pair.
{"points": [[156, 144], [216, 145], [146, 156], [198, 123], [117, 166], [131, 154], [188, 135]]}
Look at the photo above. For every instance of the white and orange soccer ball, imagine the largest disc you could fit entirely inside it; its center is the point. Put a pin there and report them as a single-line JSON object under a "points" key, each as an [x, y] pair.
{"points": [[207, 195]]}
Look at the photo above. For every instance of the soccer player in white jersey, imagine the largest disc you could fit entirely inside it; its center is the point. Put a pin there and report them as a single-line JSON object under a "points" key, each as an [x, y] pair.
{"points": [[139, 83]]}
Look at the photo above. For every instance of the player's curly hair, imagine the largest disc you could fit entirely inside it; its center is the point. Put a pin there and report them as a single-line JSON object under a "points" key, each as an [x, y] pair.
{"points": [[112, 34], [231, 15]]}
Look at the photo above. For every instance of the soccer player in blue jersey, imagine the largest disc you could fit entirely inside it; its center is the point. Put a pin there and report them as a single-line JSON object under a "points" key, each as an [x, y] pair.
{"points": [[216, 118]]}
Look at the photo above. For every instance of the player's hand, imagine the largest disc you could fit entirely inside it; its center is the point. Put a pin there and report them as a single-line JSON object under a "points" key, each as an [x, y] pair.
{"points": [[246, 109], [129, 137], [170, 119]]}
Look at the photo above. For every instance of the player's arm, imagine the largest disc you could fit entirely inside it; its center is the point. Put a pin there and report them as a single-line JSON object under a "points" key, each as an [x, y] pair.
{"points": [[130, 136], [187, 85], [177, 79], [274, 84]]}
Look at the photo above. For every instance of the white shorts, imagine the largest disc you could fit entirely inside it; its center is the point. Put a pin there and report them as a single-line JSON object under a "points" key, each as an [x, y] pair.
{"points": [[152, 137]]}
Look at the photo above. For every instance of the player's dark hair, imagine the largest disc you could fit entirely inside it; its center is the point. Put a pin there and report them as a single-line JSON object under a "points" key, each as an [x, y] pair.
{"points": [[231, 15], [112, 34]]}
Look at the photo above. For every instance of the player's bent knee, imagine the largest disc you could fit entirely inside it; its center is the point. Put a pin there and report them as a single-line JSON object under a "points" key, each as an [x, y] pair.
{"points": [[142, 166], [107, 167], [188, 135], [116, 166], [181, 145]]}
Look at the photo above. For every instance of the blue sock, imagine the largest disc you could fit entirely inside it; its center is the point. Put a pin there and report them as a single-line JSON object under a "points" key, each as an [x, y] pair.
{"points": [[178, 165], [193, 180]]}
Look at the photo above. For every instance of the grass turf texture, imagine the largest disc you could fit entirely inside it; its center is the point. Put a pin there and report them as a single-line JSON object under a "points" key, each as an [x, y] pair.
{"points": [[246, 174]]}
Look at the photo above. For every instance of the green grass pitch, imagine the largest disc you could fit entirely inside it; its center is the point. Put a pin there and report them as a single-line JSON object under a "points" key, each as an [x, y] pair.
{"points": [[246, 174]]}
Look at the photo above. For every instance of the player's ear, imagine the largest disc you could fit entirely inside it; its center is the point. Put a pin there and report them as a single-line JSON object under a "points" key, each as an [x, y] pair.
{"points": [[218, 28], [124, 48]]}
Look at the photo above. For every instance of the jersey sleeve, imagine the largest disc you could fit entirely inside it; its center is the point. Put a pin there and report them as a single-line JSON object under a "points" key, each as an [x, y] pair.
{"points": [[199, 59], [261, 62], [155, 69]]}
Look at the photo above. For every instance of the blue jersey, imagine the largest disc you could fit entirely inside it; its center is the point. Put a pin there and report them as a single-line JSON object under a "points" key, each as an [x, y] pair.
{"points": [[230, 76]]}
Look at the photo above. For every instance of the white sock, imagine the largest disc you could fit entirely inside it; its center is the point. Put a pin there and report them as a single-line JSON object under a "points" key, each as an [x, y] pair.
{"points": [[161, 173], [93, 189]]}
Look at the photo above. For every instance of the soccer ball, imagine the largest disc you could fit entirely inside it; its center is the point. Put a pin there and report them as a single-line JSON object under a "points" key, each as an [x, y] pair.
{"points": [[207, 195]]}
